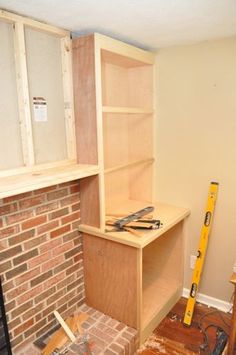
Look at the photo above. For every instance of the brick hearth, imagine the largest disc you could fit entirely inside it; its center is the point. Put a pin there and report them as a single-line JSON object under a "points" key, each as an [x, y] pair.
{"points": [[41, 259], [107, 336]]}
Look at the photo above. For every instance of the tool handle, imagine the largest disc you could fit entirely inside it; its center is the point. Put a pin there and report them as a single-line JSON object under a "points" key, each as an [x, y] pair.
{"points": [[133, 231]]}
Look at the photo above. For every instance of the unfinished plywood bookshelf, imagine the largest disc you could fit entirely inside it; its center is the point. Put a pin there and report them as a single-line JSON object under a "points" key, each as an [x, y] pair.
{"points": [[36, 59], [133, 279]]}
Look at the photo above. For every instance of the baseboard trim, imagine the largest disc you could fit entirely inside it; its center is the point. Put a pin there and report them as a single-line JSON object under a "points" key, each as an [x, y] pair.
{"points": [[210, 301]]}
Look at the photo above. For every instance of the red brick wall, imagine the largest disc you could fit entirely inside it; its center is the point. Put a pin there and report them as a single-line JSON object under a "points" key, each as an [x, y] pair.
{"points": [[41, 259]]}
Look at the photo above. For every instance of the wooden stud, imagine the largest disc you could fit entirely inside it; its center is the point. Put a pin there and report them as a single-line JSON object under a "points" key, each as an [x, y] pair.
{"points": [[99, 103], [154, 130], [68, 96], [23, 94]]}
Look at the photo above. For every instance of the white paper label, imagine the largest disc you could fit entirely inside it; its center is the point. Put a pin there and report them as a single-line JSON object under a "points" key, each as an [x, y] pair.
{"points": [[40, 109]]}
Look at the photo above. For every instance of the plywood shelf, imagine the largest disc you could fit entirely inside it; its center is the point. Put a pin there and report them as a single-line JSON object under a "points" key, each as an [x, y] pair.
{"points": [[43, 177], [156, 311], [130, 110], [169, 216], [155, 293], [129, 165]]}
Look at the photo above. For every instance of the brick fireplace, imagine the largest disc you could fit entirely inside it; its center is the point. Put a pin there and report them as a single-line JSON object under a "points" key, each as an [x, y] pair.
{"points": [[41, 259]]}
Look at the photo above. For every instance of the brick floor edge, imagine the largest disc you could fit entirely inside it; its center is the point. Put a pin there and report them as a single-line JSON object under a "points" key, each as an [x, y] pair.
{"points": [[105, 335]]}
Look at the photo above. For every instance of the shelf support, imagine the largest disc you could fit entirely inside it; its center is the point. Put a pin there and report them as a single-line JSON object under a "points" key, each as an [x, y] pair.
{"points": [[129, 165]]}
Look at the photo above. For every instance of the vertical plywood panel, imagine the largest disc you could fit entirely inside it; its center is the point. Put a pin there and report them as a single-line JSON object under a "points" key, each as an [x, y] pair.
{"points": [[114, 85], [116, 139], [45, 80], [116, 188], [140, 86], [85, 99], [10, 154], [141, 147], [86, 125], [140, 183], [140, 129], [89, 199], [116, 151], [111, 278]]}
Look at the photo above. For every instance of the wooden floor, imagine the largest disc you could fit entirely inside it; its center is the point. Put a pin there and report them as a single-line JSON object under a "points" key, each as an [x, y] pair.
{"points": [[172, 337]]}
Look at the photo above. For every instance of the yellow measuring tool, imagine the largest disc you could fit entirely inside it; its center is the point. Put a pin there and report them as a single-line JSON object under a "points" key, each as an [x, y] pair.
{"points": [[201, 252]]}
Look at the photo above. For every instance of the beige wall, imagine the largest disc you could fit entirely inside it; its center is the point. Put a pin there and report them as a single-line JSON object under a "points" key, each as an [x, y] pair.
{"points": [[196, 144]]}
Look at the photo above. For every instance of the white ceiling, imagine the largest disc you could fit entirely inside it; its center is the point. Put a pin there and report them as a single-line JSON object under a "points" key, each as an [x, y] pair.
{"points": [[149, 24]]}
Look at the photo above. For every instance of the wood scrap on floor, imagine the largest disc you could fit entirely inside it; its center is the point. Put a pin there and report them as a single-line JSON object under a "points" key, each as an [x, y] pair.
{"points": [[161, 345], [66, 328], [62, 335]]}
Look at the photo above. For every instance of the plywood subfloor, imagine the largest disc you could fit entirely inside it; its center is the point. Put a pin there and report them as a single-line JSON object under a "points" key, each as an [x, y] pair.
{"points": [[172, 337]]}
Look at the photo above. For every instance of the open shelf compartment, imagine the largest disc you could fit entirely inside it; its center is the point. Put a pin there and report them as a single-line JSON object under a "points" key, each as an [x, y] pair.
{"points": [[129, 87], [161, 280]]}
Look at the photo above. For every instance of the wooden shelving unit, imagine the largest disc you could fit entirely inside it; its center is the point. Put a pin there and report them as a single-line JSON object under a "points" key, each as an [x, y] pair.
{"points": [[113, 86], [133, 279]]}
